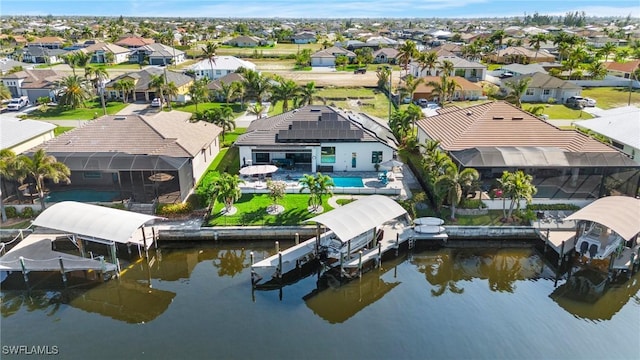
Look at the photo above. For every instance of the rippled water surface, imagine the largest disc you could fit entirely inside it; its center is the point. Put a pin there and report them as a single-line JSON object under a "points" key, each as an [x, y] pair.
{"points": [[450, 303]]}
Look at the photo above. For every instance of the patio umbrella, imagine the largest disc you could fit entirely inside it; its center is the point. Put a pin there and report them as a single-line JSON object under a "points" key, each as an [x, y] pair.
{"points": [[392, 164], [258, 170], [161, 177]]}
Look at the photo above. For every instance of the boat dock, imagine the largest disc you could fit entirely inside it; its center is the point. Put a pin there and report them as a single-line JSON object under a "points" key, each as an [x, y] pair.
{"points": [[35, 253]]}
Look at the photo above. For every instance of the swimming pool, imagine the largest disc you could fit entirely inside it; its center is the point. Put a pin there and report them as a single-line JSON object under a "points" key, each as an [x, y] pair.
{"points": [[348, 181], [82, 196]]}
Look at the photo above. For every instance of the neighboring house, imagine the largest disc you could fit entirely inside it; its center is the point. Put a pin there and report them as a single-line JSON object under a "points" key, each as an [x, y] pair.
{"points": [[222, 65], [215, 85], [377, 42], [143, 92], [318, 138], [21, 135], [327, 57], [385, 56], [157, 54], [7, 65], [42, 55], [466, 90], [304, 37], [498, 136], [120, 153], [133, 42], [623, 70], [100, 50], [519, 69], [620, 125], [13, 40], [351, 44], [247, 41], [448, 49], [520, 55], [33, 83], [543, 87], [49, 42], [470, 70]]}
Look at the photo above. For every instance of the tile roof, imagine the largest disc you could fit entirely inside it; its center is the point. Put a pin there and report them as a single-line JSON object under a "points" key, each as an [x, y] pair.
{"points": [[499, 123], [48, 40], [545, 81], [166, 133], [143, 78], [465, 84], [227, 79], [36, 79], [627, 67], [133, 41], [107, 47]]}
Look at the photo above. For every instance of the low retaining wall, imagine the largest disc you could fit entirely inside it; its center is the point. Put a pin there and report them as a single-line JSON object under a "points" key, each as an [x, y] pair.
{"points": [[239, 233]]}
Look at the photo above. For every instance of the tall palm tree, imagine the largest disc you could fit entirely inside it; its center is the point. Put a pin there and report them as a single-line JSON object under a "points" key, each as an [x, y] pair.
{"points": [[428, 61], [597, 70], [127, 86], [536, 40], [227, 90], [256, 109], [607, 49], [198, 91], [170, 91], [454, 182], [257, 85], [400, 125], [383, 73], [410, 85], [318, 186], [226, 189], [74, 91], [209, 53], [5, 93], [414, 113], [10, 168], [406, 52], [285, 91], [517, 89], [516, 186], [307, 93], [447, 67], [41, 166], [498, 36], [157, 83], [225, 120]]}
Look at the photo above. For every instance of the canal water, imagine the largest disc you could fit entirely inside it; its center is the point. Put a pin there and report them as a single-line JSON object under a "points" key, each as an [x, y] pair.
{"points": [[197, 303]]}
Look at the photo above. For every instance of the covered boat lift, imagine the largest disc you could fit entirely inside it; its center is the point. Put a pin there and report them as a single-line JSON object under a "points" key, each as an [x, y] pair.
{"points": [[78, 222]]}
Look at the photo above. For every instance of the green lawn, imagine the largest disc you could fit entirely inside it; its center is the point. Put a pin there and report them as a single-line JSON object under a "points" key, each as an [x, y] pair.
{"points": [[89, 112], [59, 130], [608, 97], [252, 210], [346, 93], [561, 112], [276, 50], [237, 108]]}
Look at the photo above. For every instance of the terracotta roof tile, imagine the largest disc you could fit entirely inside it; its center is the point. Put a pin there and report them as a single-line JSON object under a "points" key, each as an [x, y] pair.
{"points": [[499, 123]]}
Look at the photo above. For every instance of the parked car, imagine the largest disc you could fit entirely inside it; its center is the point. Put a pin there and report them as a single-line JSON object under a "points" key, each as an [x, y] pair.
{"points": [[406, 100], [577, 101], [18, 103], [360, 71], [506, 74], [422, 102], [156, 102]]}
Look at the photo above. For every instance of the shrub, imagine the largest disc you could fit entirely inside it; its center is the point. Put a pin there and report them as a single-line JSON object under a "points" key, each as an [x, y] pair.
{"points": [[472, 204], [27, 213], [174, 209], [11, 212], [535, 207]]}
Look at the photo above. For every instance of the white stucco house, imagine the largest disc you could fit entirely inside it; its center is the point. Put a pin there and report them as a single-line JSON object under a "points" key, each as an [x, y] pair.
{"points": [[21, 135], [222, 66], [317, 138], [470, 70], [543, 87]]}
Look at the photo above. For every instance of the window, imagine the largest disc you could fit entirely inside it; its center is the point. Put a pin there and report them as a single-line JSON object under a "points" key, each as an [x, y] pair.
{"points": [[262, 158], [546, 92], [529, 91], [459, 72], [92, 175], [376, 157], [328, 155], [354, 157]]}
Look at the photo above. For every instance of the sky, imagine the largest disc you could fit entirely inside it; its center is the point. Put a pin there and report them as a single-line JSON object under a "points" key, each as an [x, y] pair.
{"points": [[319, 8]]}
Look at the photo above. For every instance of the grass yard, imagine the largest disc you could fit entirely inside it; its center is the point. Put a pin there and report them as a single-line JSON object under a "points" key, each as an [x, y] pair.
{"points": [[237, 108], [230, 137], [562, 112], [608, 97], [371, 101], [92, 109], [268, 51], [252, 210], [341, 92], [59, 130]]}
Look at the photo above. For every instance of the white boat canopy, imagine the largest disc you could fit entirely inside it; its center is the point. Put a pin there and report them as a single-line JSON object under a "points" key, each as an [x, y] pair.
{"points": [[364, 214], [619, 213], [92, 220]]}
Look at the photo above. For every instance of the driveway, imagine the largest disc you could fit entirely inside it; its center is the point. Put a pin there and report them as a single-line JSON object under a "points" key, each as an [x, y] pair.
{"points": [[137, 109]]}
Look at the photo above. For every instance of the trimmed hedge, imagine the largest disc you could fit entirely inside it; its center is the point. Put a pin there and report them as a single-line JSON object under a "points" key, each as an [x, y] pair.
{"points": [[174, 209], [535, 207]]}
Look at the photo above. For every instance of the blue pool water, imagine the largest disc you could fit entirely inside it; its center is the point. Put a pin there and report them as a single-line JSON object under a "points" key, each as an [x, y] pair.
{"points": [[348, 181], [82, 196]]}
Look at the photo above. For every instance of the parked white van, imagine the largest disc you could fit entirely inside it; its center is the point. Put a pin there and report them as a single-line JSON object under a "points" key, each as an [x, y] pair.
{"points": [[18, 103]]}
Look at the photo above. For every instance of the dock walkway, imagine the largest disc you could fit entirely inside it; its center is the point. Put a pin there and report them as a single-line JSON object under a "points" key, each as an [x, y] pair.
{"points": [[37, 255]]}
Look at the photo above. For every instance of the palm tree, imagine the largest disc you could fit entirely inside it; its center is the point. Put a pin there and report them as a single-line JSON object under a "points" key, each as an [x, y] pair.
{"points": [[198, 91], [445, 88], [447, 67], [42, 166], [318, 186], [226, 188], [256, 109], [598, 70], [10, 168], [400, 124], [414, 113], [563, 50], [285, 91], [74, 91], [498, 36], [209, 52], [224, 119], [257, 85], [410, 85], [454, 182], [607, 49], [536, 40], [383, 73], [5, 93], [307, 93], [517, 89], [428, 61], [157, 83], [227, 90], [96, 75], [170, 91], [516, 186], [407, 51]]}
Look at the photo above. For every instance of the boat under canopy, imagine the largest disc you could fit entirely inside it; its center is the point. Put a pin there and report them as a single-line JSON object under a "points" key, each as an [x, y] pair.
{"points": [[618, 213]]}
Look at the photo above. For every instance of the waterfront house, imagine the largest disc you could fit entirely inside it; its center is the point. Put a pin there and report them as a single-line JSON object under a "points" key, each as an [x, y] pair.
{"points": [[157, 54], [498, 136], [466, 90], [142, 80], [121, 153], [470, 70], [318, 138]]}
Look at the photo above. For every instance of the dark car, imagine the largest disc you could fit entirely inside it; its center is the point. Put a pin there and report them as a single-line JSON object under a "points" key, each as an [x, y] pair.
{"points": [[360, 71]]}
